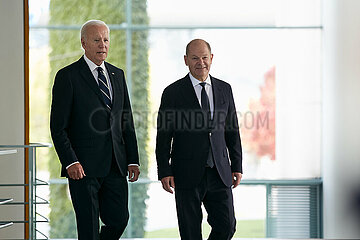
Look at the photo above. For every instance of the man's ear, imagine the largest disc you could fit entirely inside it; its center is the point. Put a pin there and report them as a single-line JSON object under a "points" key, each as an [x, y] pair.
{"points": [[83, 43], [185, 60]]}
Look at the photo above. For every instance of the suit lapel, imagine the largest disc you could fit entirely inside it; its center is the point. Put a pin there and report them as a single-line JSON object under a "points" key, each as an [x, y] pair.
{"points": [[89, 78], [114, 80], [189, 94], [218, 96], [190, 97], [117, 89]]}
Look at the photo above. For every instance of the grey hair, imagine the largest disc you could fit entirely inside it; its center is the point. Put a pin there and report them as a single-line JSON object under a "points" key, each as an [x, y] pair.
{"points": [[91, 23]]}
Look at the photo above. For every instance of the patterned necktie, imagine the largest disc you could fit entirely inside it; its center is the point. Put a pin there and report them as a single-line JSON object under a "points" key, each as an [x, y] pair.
{"points": [[205, 105], [104, 88]]}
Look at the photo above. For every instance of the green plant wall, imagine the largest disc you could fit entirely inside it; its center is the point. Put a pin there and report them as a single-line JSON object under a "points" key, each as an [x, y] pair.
{"points": [[65, 49]]}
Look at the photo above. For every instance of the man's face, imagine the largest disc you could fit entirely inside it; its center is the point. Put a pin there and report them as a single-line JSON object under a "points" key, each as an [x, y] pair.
{"points": [[96, 43], [199, 60]]}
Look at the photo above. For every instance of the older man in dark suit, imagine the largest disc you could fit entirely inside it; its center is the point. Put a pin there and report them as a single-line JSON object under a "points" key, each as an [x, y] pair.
{"points": [[197, 133], [93, 133]]}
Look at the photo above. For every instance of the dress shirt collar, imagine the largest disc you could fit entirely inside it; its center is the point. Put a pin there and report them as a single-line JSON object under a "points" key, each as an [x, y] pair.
{"points": [[197, 82], [92, 65]]}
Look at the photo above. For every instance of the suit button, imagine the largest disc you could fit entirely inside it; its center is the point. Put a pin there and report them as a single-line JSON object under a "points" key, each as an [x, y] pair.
{"points": [[209, 134]]}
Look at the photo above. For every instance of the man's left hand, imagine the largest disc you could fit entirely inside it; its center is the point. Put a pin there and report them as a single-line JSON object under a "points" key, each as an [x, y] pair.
{"points": [[236, 178], [134, 173]]}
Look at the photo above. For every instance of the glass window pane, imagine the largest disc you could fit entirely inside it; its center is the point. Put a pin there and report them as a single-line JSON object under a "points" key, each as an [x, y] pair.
{"points": [[235, 12], [73, 12], [250, 213], [275, 76]]}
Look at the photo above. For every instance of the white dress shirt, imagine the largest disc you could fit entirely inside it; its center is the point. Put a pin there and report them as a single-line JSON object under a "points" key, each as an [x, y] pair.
{"points": [[93, 68], [208, 89]]}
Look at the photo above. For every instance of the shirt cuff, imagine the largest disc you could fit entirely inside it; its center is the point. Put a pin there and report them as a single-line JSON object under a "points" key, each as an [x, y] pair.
{"points": [[71, 165], [134, 164]]}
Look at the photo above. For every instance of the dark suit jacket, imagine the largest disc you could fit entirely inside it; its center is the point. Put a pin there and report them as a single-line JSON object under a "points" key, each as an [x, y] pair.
{"points": [[182, 143], [82, 127]]}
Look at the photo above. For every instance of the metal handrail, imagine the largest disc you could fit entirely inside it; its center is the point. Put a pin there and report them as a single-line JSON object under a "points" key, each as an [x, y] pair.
{"points": [[33, 182], [6, 152], [7, 224], [6, 200]]}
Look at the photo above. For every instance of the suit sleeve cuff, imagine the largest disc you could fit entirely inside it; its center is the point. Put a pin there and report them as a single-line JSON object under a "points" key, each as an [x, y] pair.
{"points": [[71, 164], [133, 164]]}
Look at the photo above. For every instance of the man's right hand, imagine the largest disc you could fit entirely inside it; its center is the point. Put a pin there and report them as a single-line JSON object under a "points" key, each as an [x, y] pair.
{"points": [[168, 183], [76, 171]]}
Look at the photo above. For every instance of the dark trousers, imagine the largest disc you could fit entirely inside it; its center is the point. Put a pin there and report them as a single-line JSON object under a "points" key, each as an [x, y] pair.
{"points": [[218, 202], [105, 197]]}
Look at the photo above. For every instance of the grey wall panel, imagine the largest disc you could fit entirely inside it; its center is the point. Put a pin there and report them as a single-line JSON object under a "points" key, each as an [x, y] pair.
{"points": [[12, 110]]}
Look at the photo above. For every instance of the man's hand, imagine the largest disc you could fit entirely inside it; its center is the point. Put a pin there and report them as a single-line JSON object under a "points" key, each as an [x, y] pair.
{"points": [[76, 171], [134, 173], [168, 183], [236, 177]]}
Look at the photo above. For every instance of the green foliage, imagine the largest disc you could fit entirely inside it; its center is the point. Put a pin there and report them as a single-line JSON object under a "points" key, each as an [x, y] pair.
{"points": [[62, 213], [62, 217], [66, 48], [140, 105]]}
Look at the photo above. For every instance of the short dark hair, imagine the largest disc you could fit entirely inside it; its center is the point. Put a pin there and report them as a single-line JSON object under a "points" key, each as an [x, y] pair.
{"points": [[195, 40]]}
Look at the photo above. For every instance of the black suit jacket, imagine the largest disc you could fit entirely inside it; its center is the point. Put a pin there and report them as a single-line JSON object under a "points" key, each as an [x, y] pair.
{"points": [[82, 127], [183, 137]]}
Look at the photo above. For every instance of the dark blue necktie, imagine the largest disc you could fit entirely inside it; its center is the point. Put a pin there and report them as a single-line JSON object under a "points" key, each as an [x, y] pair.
{"points": [[104, 88], [205, 105]]}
